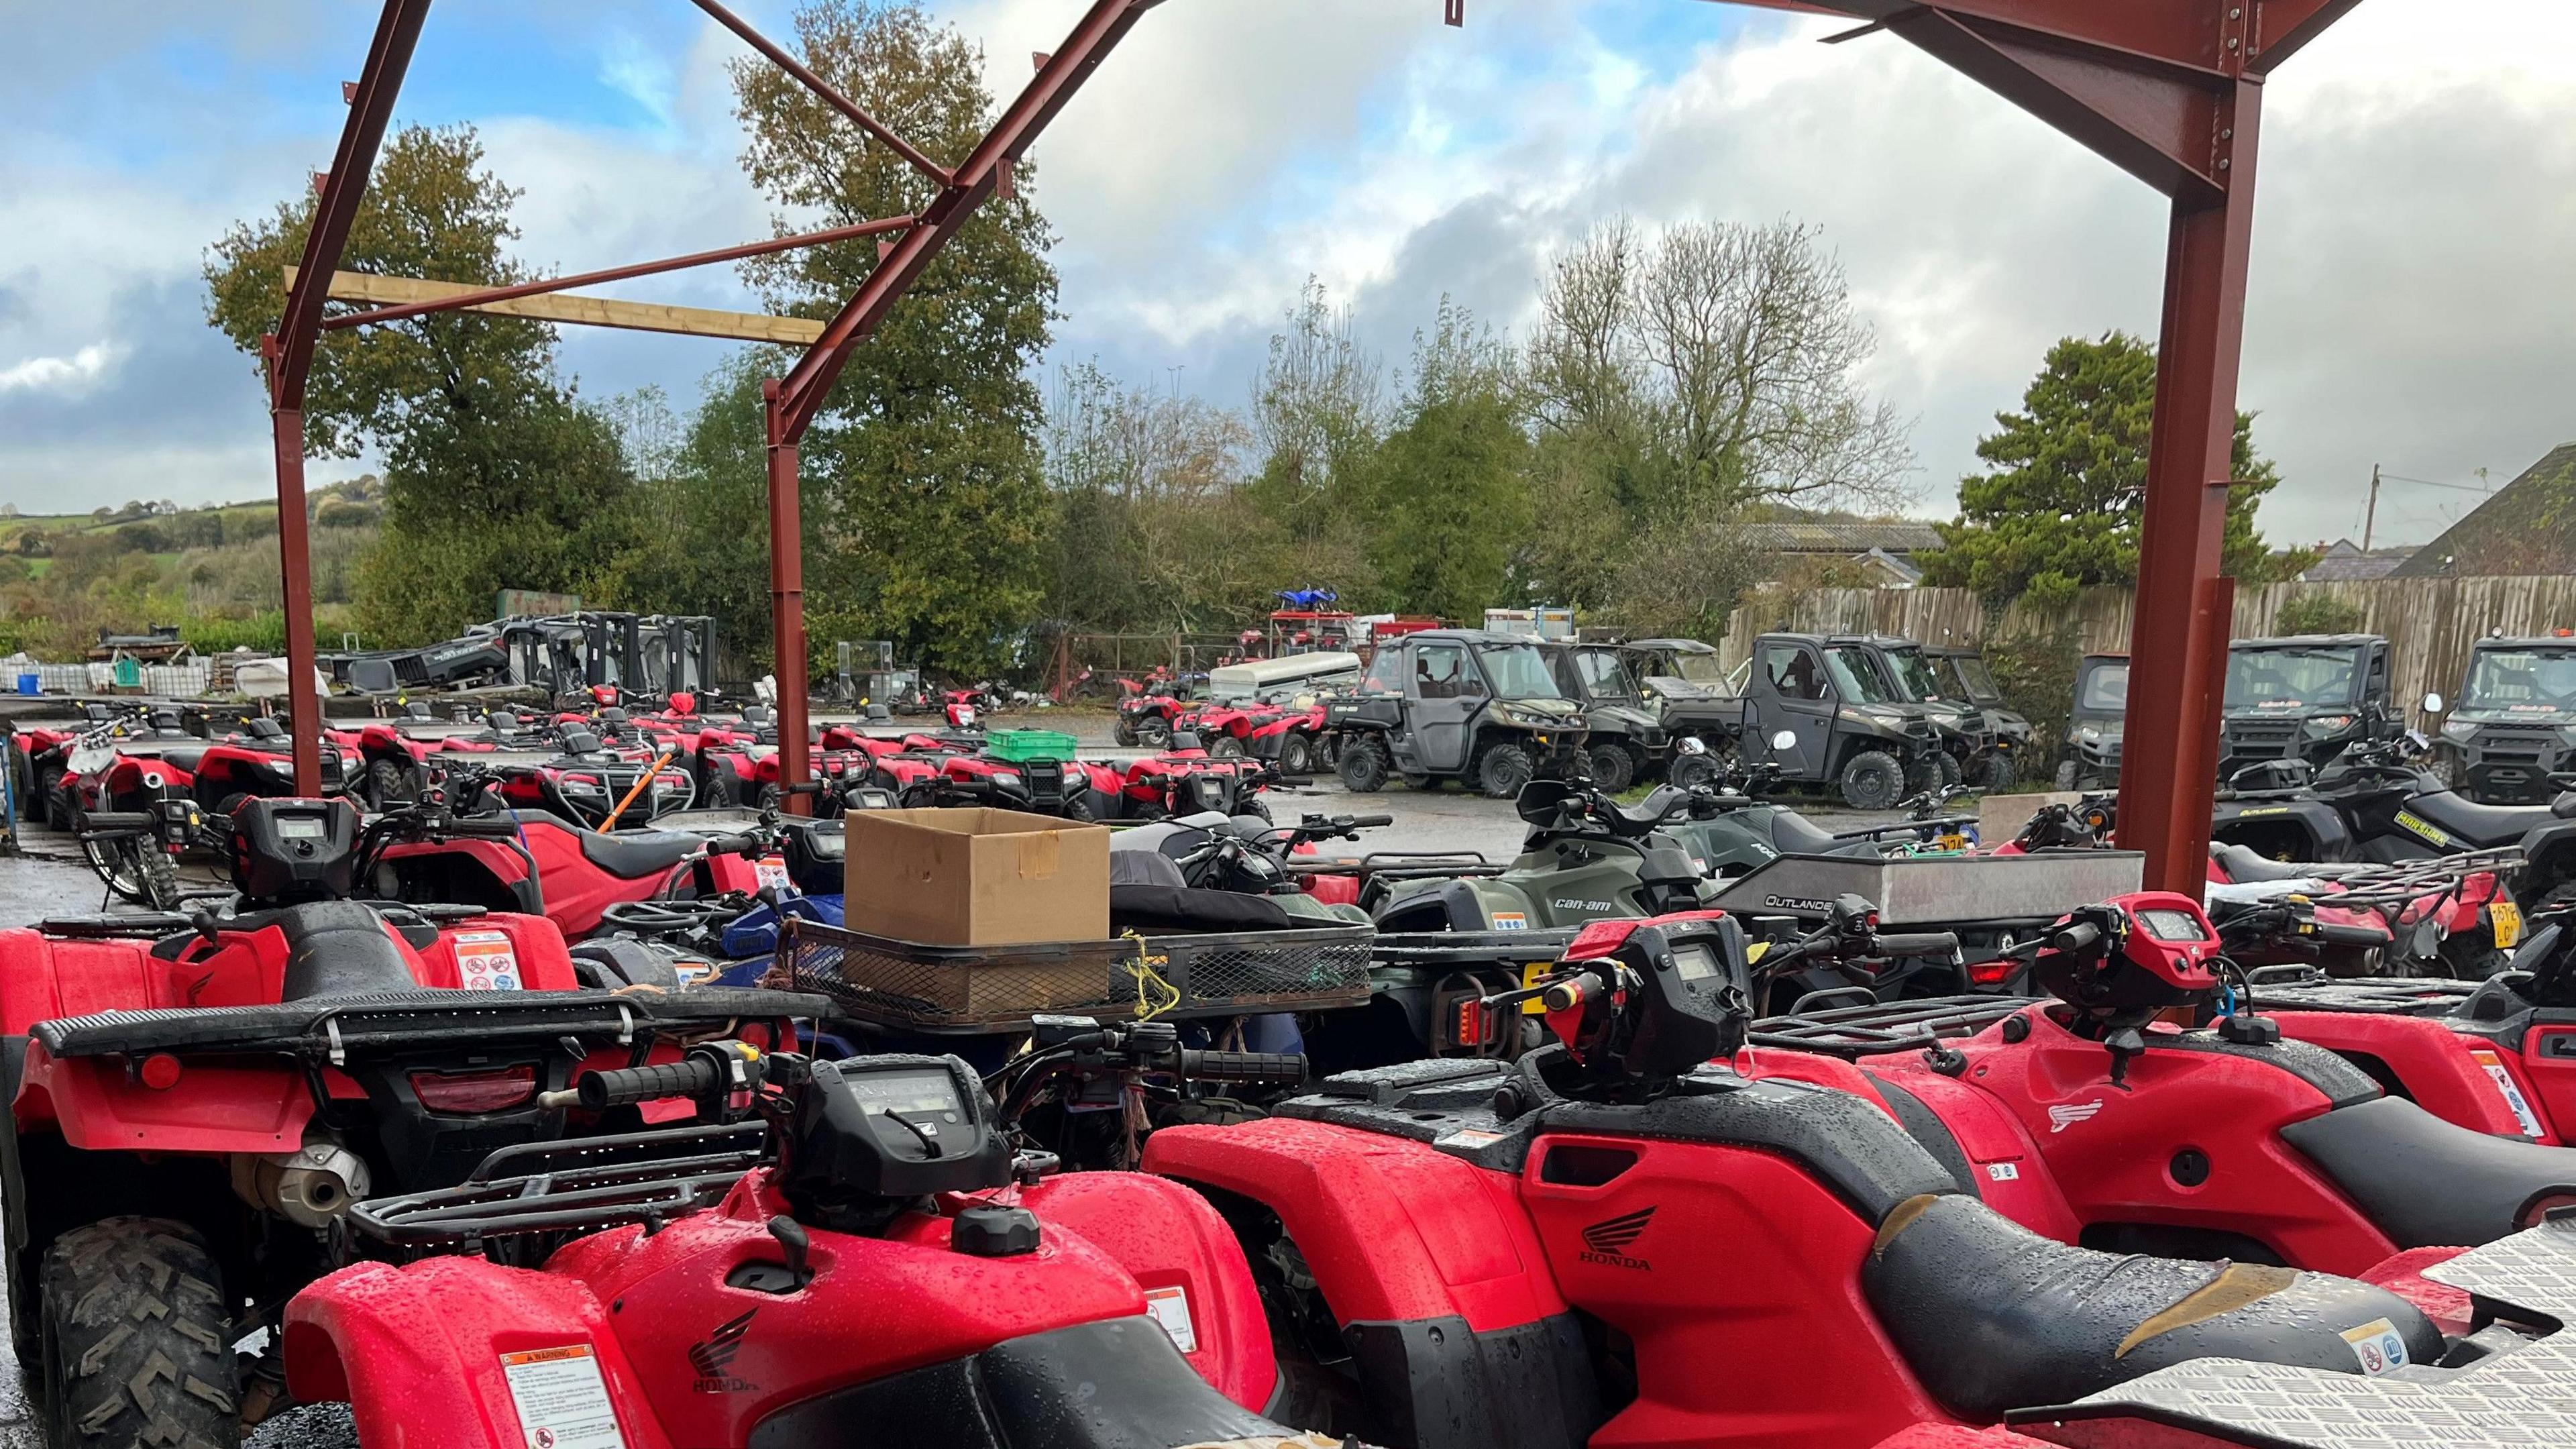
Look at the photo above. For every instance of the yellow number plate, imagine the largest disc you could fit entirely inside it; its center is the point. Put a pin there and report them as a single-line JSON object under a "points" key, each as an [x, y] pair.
{"points": [[1529, 977], [2505, 918]]}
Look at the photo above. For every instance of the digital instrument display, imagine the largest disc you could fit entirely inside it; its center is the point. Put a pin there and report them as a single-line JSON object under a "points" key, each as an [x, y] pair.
{"points": [[2172, 925], [1696, 961], [910, 1093], [301, 827]]}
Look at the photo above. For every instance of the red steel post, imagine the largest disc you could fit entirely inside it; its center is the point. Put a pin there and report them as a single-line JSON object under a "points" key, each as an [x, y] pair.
{"points": [[295, 572], [786, 598], [2166, 788]]}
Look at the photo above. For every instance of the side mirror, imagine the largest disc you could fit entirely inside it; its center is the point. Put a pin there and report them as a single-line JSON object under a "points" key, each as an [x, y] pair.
{"points": [[1691, 745], [1785, 740], [2432, 704]]}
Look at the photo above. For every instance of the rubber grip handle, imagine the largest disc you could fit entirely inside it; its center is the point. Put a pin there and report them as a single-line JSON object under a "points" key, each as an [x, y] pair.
{"points": [[484, 827], [624, 1086], [1371, 822], [741, 843], [1918, 943], [2078, 937], [1282, 1069], [2338, 934]]}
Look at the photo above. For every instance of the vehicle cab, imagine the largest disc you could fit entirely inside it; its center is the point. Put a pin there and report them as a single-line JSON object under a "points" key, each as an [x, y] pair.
{"points": [[1462, 704], [2305, 697], [1624, 739], [1853, 727], [1963, 675], [2514, 723], [2094, 726]]}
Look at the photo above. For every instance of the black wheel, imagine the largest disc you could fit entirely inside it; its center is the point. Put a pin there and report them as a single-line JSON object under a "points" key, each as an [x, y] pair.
{"points": [[1225, 747], [1077, 806], [21, 783], [1363, 767], [1423, 782], [120, 865], [48, 802], [1296, 754], [1502, 768], [391, 782], [1691, 772], [2000, 774], [1124, 732], [1613, 768], [722, 789], [137, 1347], [1872, 780], [1948, 765], [2066, 774], [771, 796], [1153, 732]]}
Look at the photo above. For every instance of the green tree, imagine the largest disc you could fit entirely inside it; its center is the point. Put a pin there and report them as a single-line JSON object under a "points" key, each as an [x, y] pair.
{"points": [[707, 492], [925, 511], [495, 473], [2060, 509], [1452, 494]]}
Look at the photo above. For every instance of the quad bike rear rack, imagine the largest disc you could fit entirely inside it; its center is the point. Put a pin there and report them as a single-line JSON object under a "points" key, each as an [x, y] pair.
{"points": [[2305, 988], [577, 1185], [331, 1030], [1888, 1026]]}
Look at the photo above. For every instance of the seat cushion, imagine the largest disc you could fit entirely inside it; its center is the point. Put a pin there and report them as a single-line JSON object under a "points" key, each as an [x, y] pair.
{"points": [[2476, 824], [635, 854], [2427, 1182], [1993, 1317]]}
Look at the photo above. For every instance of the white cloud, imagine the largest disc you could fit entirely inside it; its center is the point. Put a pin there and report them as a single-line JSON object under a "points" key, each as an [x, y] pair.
{"points": [[71, 375]]}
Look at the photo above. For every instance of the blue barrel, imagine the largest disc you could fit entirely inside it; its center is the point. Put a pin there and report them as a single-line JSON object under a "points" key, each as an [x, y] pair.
{"points": [[30, 683]]}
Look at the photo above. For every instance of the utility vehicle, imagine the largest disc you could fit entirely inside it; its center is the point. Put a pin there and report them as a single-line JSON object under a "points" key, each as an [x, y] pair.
{"points": [[2308, 697], [2513, 726], [1624, 739], [1855, 730], [2094, 726], [1452, 704], [1962, 674]]}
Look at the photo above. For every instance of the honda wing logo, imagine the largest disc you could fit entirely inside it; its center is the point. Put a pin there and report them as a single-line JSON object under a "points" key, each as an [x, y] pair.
{"points": [[1606, 1242], [714, 1354], [2067, 1114]]}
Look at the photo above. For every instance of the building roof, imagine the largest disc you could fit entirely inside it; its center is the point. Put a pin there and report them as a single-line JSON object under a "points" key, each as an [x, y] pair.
{"points": [[2343, 561], [2527, 527], [1844, 536]]}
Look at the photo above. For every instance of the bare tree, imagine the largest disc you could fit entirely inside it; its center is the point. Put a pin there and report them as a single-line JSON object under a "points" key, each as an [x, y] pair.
{"points": [[1734, 352], [1317, 412]]}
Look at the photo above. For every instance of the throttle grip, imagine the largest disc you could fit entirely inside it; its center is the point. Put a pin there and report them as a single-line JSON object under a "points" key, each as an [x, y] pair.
{"points": [[2338, 934], [1371, 822], [1918, 943], [741, 843], [694, 1076], [2078, 937], [1255, 1068]]}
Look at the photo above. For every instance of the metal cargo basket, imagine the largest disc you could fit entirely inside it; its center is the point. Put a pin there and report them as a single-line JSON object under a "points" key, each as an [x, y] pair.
{"points": [[998, 988]]}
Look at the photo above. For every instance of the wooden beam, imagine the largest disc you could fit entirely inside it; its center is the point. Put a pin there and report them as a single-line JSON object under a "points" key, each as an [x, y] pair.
{"points": [[586, 311]]}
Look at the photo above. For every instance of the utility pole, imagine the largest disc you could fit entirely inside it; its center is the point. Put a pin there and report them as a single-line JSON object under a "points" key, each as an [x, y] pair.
{"points": [[2370, 515]]}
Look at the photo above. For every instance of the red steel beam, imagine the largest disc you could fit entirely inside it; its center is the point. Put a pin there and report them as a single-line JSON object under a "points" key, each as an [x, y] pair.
{"points": [[290, 358], [517, 290], [790, 406], [831, 97]]}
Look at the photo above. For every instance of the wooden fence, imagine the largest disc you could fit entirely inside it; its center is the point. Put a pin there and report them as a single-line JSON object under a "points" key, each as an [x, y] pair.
{"points": [[2430, 624]]}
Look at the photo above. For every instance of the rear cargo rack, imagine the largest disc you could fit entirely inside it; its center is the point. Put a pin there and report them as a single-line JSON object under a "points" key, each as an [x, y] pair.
{"points": [[998, 988], [1889, 1026], [330, 1030], [579, 1185], [2378, 995]]}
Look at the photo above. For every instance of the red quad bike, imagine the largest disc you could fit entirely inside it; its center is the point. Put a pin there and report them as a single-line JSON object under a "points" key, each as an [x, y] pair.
{"points": [[592, 783], [196, 1103], [1608, 1242], [1147, 711], [529, 861], [2088, 1118], [877, 1267]]}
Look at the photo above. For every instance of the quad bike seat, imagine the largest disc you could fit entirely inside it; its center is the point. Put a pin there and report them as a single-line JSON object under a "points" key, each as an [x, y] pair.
{"points": [[1992, 1316], [335, 949], [2245, 865], [185, 757], [2477, 825], [635, 854], [2431, 1183]]}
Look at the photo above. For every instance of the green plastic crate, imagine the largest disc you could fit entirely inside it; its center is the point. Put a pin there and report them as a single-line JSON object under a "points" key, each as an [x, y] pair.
{"points": [[1018, 746]]}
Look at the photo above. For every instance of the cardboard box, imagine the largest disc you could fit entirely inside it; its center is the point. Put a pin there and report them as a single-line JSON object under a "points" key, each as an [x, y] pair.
{"points": [[975, 877]]}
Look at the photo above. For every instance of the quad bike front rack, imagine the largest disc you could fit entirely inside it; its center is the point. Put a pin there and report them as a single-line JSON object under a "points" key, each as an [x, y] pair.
{"points": [[1890, 1026], [579, 1185]]}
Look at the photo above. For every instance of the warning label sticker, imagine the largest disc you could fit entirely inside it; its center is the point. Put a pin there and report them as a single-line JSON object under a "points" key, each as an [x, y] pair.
{"points": [[2513, 1097], [2003, 1172], [1470, 1137], [561, 1399], [486, 961], [771, 873], [2377, 1345], [1171, 1308], [1511, 921]]}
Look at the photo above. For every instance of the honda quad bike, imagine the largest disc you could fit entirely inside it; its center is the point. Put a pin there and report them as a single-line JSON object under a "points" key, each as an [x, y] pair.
{"points": [[838, 1252], [1565, 1249], [1147, 709], [2447, 916], [1452, 704], [2088, 1118], [42, 755], [2372, 805], [119, 793], [455, 847], [195, 1103]]}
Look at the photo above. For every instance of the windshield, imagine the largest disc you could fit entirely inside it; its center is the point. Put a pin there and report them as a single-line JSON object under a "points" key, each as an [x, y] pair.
{"points": [[1604, 677], [2106, 690], [1700, 669], [2286, 679], [1518, 671], [1974, 681], [1915, 673], [1858, 678], [2531, 681]]}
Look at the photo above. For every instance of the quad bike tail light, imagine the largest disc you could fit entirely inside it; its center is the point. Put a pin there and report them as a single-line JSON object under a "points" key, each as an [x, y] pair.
{"points": [[474, 1094]]}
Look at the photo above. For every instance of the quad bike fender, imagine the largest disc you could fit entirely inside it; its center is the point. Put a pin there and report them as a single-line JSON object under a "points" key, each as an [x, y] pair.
{"points": [[1984, 1146], [2308, 829], [1186, 1259], [530, 948], [213, 1107], [2550, 853], [2457, 1078], [423, 1354], [1394, 1231]]}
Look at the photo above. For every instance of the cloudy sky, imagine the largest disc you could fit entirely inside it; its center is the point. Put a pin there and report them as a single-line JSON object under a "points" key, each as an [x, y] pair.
{"points": [[2414, 302]]}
